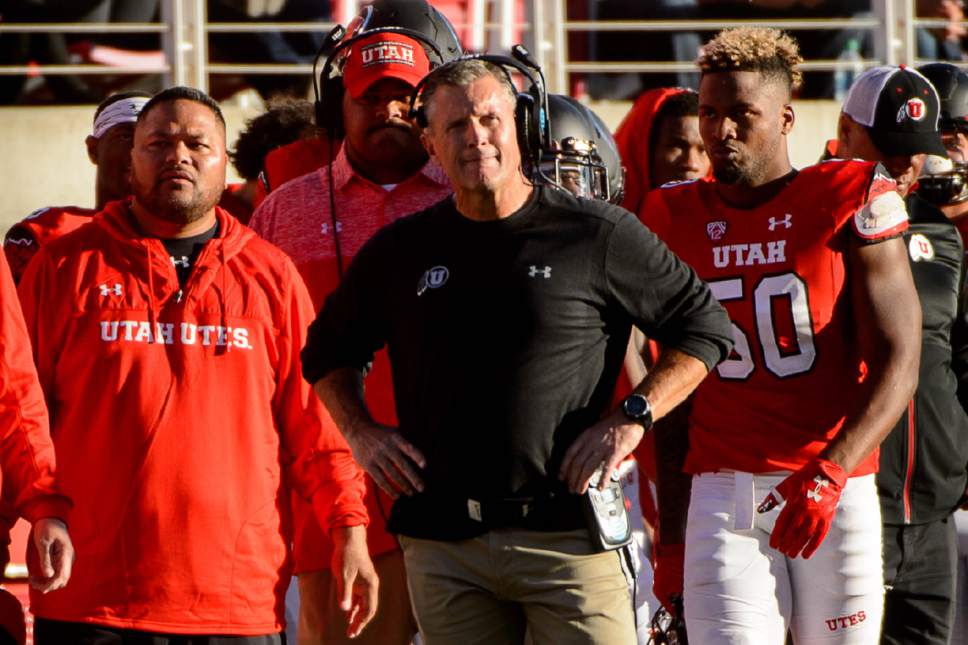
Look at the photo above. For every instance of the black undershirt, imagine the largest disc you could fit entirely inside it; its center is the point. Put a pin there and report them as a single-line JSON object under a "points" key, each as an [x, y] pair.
{"points": [[184, 251]]}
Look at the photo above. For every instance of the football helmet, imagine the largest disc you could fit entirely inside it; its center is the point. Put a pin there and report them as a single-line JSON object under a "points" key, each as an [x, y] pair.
{"points": [[581, 156]]}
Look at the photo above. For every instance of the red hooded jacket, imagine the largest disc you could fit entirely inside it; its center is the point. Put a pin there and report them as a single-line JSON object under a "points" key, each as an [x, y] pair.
{"points": [[26, 451], [182, 419], [633, 136]]}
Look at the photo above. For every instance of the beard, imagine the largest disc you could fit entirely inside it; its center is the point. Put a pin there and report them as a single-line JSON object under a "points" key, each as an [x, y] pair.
{"points": [[176, 206], [729, 174], [742, 171]]}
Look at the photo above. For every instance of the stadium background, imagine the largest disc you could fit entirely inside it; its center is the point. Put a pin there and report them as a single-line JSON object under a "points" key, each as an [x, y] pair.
{"points": [[603, 51]]}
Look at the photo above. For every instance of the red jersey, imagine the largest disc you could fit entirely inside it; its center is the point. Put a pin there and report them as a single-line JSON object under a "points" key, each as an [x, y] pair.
{"points": [[25, 238], [297, 218], [182, 422], [780, 271]]}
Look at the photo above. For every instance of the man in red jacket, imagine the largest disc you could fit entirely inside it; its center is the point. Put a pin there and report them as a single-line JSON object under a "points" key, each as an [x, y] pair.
{"points": [[109, 149], [26, 451], [167, 340]]}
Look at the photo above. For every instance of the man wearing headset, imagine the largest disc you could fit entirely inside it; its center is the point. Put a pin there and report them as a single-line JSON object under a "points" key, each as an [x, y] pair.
{"points": [[506, 312], [321, 220]]}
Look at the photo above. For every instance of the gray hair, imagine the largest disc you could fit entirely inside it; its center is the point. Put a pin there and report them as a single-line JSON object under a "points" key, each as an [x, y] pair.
{"points": [[462, 73]]}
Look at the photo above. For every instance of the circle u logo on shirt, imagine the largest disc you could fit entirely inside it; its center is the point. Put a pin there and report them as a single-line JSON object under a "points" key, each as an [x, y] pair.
{"points": [[920, 248], [432, 278]]}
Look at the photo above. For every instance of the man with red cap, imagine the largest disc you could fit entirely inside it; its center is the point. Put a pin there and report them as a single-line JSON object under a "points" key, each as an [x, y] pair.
{"points": [[321, 220]]}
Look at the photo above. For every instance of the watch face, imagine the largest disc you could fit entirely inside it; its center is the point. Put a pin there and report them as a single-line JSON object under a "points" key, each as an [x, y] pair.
{"points": [[635, 406]]}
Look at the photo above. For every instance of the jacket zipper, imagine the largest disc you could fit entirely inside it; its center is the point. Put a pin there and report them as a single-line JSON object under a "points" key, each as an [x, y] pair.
{"points": [[909, 471]]}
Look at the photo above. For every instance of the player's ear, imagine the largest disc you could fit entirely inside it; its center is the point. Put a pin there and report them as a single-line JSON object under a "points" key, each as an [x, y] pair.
{"points": [[91, 144], [843, 134], [788, 118]]}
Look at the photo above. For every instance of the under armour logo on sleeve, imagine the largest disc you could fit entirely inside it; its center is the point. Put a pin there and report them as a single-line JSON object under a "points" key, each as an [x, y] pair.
{"points": [[544, 272]]}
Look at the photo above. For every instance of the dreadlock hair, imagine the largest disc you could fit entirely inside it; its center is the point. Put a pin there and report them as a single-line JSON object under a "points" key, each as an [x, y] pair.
{"points": [[771, 52]]}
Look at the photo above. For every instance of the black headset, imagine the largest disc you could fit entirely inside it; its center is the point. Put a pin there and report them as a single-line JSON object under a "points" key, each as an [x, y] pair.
{"points": [[328, 87], [530, 108]]}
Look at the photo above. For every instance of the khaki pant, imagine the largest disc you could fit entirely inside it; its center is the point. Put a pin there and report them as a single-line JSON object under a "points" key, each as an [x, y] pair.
{"points": [[322, 622], [495, 588]]}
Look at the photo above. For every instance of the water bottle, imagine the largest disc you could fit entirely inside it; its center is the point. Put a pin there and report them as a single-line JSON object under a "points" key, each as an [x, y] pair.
{"points": [[844, 76]]}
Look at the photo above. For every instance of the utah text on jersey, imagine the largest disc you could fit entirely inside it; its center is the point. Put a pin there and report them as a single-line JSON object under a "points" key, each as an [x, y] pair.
{"points": [[142, 331]]}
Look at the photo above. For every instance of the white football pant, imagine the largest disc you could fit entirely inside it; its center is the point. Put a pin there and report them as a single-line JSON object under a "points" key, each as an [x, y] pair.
{"points": [[740, 591]]}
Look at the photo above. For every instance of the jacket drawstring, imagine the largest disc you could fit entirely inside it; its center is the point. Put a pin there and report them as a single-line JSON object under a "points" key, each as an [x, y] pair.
{"points": [[222, 269], [152, 320]]}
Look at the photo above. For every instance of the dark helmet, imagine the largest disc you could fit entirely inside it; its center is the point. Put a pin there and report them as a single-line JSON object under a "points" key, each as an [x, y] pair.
{"points": [[414, 18], [582, 155], [952, 86], [943, 181]]}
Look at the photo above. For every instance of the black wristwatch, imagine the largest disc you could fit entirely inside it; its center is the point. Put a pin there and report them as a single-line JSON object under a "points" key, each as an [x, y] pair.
{"points": [[637, 408]]}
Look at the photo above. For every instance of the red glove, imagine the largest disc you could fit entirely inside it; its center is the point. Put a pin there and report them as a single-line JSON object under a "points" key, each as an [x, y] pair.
{"points": [[811, 496], [667, 575]]}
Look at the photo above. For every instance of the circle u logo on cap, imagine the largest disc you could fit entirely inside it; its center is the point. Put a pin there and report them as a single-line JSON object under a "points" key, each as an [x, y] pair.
{"points": [[913, 109]]}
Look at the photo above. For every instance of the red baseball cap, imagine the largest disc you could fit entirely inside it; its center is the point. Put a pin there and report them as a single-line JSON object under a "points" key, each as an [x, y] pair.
{"points": [[384, 55]]}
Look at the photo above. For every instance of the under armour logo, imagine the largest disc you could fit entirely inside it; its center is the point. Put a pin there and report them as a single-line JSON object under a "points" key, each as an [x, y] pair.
{"points": [[816, 494], [786, 222], [545, 272], [325, 228], [180, 261], [107, 291]]}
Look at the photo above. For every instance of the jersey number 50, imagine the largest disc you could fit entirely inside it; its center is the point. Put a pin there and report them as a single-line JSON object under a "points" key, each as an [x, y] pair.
{"points": [[792, 289]]}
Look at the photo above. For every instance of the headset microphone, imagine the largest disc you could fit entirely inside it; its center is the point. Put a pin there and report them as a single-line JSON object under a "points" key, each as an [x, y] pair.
{"points": [[523, 55]]}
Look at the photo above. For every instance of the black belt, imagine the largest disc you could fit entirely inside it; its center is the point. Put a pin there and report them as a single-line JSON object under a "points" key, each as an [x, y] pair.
{"points": [[545, 513], [453, 517]]}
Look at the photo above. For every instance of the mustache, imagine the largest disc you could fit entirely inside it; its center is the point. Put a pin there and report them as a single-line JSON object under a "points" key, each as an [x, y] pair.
{"points": [[175, 173], [399, 124]]}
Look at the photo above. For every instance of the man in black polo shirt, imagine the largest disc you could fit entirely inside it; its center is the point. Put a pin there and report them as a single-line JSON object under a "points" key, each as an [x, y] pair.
{"points": [[506, 311]]}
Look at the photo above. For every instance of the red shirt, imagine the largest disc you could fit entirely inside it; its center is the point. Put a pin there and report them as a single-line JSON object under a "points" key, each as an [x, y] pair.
{"points": [[297, 218], [25, 238], [780, 270], [178, 413]]}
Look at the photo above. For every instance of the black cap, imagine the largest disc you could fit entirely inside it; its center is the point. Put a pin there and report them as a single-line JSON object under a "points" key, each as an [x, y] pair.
{"points": [[899, 108]]}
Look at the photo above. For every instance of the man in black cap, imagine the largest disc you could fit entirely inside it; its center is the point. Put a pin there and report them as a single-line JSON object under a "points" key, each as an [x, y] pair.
{"points": [[891, 115]]}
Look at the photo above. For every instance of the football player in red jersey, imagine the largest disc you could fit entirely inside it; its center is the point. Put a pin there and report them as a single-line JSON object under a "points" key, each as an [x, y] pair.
{"points": [[811, 268], [108, 148]]}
